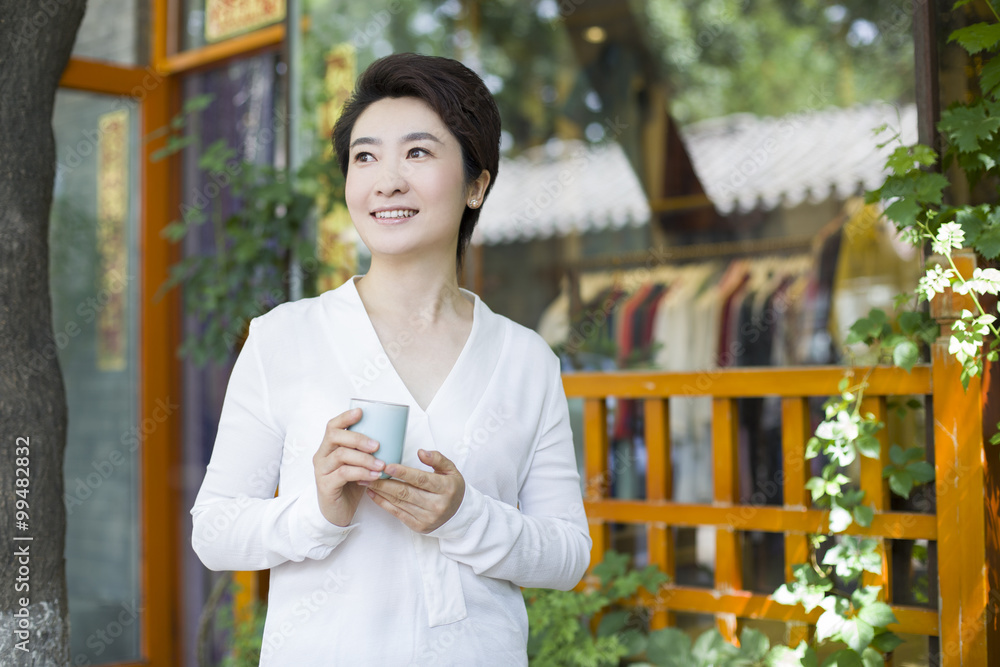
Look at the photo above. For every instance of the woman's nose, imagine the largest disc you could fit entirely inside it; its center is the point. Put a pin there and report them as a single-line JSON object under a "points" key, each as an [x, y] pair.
{"points": [[391, 178]]}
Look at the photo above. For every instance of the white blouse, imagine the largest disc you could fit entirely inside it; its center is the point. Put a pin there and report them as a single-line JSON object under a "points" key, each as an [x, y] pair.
{"points": [[376, 592]]}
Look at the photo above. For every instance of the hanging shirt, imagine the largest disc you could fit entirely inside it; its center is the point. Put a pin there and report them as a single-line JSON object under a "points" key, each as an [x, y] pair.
{"points": [[376, 592]]}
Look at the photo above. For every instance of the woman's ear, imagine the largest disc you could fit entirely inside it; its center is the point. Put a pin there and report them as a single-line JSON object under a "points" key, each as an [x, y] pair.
{"points": [[478, 187]]}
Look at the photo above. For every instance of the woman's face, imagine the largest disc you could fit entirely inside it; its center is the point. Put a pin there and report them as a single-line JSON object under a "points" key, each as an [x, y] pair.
{"points": [[405, 186]]}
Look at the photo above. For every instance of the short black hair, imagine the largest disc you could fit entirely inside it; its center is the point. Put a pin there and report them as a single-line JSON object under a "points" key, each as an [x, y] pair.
{"points": [[459, 97]]}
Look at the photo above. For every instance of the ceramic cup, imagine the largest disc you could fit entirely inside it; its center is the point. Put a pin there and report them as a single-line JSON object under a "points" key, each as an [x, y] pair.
{"points": [[386, 424]]}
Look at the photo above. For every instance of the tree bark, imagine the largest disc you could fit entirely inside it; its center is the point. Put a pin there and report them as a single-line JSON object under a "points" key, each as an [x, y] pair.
{"points": [[36, 39]]}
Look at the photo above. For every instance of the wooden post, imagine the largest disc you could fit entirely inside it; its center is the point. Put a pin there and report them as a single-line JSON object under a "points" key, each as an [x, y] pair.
{"points": [[659, 486], [959, 484], [728, 542], [795, 433], [595, 468]]}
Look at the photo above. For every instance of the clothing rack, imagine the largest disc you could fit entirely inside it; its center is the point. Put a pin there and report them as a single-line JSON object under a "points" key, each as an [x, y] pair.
{"points": [[656, 256], [680, 254]]}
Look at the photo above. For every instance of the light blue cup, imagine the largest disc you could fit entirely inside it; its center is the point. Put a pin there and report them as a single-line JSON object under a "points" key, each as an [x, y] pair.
{"points": [[386, 424]]}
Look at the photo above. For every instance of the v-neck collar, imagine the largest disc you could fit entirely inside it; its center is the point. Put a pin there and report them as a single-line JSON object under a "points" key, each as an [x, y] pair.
{"points": [[376, 344]]}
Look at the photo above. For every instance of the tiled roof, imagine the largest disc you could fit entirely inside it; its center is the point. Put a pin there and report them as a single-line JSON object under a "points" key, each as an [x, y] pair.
{"points": [[564, 185], [743, 161]]}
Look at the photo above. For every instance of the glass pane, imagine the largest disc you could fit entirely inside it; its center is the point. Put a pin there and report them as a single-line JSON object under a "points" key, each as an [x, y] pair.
{"points": [[114, 30], [247, 112], [94, 255], [209, 21]]}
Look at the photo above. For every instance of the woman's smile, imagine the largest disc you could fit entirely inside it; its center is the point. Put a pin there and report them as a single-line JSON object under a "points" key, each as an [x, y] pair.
{"points": [[393, 215]]}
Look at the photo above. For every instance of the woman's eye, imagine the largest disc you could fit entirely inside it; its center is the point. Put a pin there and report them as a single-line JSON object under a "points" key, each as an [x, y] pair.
{"points": [[418, 150], [363, 157]]}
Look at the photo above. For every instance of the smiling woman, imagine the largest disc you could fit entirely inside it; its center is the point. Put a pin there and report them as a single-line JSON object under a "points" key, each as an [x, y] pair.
{"points": [[425, 565]]}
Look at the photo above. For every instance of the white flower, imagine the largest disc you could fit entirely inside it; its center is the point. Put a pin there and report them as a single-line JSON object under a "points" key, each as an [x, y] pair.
{"points": [[964, 349], [983, 281], [935, 281], [912, 236], [950, 235]]}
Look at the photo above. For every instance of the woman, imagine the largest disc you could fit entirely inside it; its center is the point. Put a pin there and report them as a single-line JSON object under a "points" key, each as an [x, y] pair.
{"points": [[422, 568]]}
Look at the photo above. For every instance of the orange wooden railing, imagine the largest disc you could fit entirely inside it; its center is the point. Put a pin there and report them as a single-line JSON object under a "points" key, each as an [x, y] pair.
{"points": [[957, 527]]}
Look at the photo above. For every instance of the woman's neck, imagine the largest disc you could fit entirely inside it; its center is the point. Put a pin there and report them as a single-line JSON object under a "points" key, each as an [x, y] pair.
{"points": [[402, 293]]}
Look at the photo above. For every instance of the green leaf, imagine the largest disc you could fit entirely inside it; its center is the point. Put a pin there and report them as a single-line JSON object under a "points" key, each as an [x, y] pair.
{"points": [[813, 447], [865, 595], [816, 485], [612, 623], [922, 471], [972, 219], [858, 333], [864, 514], [844, 658], [753, 644], [924, 154], [612, 566], [857, 633], [198, 102], [634, 641], [710, 646], [669, 646], [871, 658], [989, 80], [901, 482], [877, 614], [886, 642], [869, 446], [977, 37], [783, 656], [988, 241], [903, 212], [968, 126], [930, 185], [905, 355]]}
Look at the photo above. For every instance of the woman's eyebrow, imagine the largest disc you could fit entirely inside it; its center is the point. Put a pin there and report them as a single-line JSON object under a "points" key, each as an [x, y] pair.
{"points": [[366, 140], [412, 136], [420, 136]]}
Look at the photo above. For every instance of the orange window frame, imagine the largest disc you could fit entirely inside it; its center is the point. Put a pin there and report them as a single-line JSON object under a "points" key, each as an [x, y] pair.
{"points": [[157, 88]]}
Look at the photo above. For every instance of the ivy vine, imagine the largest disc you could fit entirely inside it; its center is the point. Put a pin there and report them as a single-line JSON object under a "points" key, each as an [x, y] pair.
{"points": [[916, 202]]}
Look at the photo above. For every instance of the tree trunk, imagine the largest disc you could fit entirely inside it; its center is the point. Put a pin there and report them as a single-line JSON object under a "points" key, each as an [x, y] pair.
{"points": [[36, 39]]}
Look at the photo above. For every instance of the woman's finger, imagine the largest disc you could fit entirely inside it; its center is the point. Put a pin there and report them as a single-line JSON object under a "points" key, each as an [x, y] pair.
{"points": [[398, 511], [337, 435], [421, 479], [338, 478], [346, 456]]}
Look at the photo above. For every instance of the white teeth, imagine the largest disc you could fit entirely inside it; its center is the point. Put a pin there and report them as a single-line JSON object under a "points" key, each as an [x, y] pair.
{"points": [[400, 213]]}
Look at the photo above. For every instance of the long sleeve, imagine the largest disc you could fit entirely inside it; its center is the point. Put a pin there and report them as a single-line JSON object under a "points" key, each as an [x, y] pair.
{"points": [[545, 543], [238, 523]]}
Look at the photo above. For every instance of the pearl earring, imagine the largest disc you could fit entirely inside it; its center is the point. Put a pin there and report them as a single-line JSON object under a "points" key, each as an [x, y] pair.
{"points": [[473, 202]]}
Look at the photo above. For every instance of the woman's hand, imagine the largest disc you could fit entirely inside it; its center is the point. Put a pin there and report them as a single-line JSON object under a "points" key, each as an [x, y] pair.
{"points": [[421, 500], [343, 459]]}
